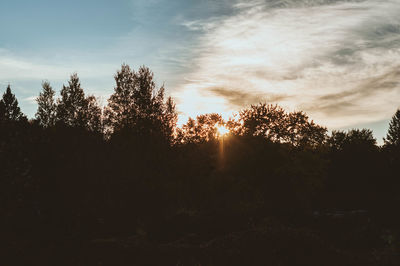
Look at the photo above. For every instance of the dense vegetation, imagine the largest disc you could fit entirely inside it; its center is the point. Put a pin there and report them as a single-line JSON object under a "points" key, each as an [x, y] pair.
{"points": [[123, 185]]}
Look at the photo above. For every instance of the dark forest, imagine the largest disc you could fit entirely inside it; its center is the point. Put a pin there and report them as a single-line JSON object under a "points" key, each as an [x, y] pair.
{"points": [[83, 184]]}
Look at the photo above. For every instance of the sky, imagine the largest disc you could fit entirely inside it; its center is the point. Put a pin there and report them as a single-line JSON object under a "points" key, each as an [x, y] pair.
{"points": [[337, 60]]}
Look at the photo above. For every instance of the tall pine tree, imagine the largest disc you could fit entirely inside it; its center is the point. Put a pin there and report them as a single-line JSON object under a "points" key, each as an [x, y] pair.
{"points": [[393, 135], [9, 109]]}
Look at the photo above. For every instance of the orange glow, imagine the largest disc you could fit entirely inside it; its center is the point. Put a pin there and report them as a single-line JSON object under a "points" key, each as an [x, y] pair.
{"points": [[222, 130]]}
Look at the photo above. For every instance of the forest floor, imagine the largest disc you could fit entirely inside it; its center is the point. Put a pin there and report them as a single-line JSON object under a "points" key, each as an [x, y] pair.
{"points": [[264, 244]]}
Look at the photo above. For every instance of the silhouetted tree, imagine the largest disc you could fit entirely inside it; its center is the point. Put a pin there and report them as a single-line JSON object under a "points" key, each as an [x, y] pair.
{"points": [[137, 105], [76, 110], [393, 135], [273, 123], [121, 111], [353, 172], [72, 105], [390, 182], [337, 140], [355, 138], [9, 109], [93, 115], [264, 120], [170, 118], [364, 137], [203, 129], [234, 125], [302, 132], [46, 112]]}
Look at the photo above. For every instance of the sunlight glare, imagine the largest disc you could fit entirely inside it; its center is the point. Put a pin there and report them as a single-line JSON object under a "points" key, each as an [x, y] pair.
{"points": [[222, 130]]}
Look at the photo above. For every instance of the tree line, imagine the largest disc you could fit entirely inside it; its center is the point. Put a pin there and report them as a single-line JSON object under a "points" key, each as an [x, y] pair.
{"points": [[81, 171]]}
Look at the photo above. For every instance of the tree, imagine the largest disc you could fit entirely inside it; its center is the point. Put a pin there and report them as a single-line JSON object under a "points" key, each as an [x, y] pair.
{"points": [[170, 118], [204, 128], [9, 109], [354, 170], [264, 120], [337, 140], [138, 106], [46, 112], [393, 135], [149, 104], [300, 131], [76, 110], [121, 110], [72, 106], [274, 124], [93, 115], [360, 139]]}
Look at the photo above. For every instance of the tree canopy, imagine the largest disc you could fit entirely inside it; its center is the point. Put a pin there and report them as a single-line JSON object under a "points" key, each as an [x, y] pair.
{"points": [[9, 108], [72, 105], [393, 135], [276, 125], [46, 112], [74, 109], [138, 106], [201, 129]]}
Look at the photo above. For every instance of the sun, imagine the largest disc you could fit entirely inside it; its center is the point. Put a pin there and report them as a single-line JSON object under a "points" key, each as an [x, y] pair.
{"points": [[222, 130]]}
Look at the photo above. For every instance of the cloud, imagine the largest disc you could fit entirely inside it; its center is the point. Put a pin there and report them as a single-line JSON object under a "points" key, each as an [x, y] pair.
{"points": [[31, 99], [243, 98], [336, 60], [14, 67]]}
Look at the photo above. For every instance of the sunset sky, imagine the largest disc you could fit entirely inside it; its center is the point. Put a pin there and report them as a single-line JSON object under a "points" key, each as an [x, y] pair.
{"points": [[338, 60]]}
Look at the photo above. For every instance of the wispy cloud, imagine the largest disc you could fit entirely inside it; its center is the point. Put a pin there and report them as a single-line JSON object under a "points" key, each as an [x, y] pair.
{"points": [[239, 98], [13, 67], [337, 60]]}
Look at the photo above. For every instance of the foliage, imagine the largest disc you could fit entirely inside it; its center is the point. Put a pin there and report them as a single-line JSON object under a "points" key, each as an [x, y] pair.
{"points": [[93, 115], [46, 112], [136, 105], [76, 110], [203, 129], [354, 169], [9, 109], [72, 105], [273, 123], [121, 111], [393, 135], [355, 138]]}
